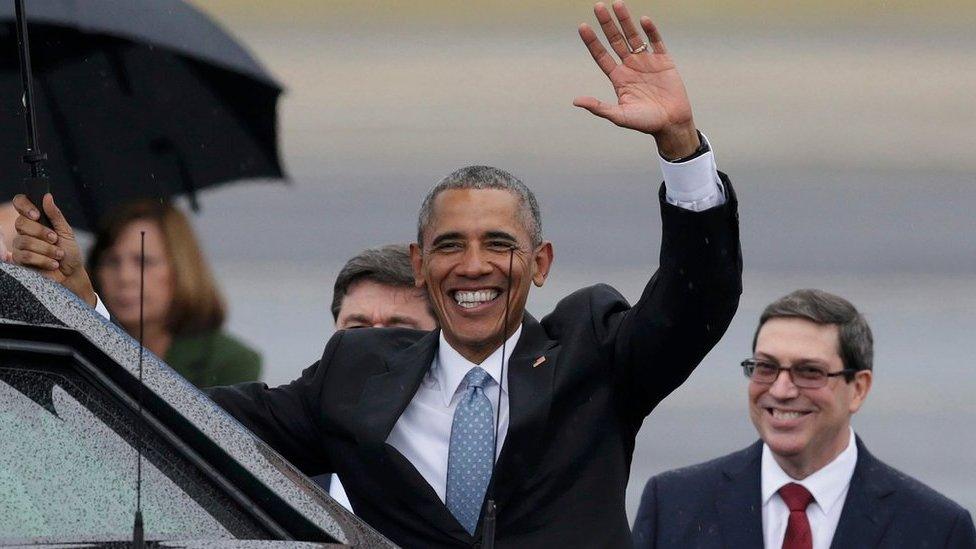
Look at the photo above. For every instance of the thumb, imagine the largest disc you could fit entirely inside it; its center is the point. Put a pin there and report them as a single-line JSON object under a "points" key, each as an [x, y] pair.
{"points": [[603, 110], [58, 222]]}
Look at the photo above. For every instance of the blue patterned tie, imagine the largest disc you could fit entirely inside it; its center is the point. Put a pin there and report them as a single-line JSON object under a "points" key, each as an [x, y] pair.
{"points": [[470, 458]]}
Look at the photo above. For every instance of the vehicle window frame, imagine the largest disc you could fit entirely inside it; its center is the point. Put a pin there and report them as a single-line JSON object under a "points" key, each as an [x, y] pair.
{"points": [[116, 383]]}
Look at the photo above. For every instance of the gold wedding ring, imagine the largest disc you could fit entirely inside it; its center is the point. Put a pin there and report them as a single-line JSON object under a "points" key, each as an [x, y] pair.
{"points": [[641, 49]]}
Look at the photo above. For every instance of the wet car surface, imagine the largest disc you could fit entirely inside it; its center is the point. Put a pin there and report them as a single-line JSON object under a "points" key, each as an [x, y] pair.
{"points": [[71, 433]]}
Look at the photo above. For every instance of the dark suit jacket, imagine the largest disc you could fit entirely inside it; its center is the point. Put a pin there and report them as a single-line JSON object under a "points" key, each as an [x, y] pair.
{"points": [[718, 504], [563, 470]]}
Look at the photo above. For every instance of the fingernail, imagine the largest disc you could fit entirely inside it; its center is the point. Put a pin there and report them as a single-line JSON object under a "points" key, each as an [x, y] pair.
{"points": [[54, 265], [33, 214], [52, 237], [59, 254]]}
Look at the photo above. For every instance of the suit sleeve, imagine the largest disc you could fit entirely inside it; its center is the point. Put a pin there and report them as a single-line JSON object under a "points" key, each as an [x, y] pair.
{"points": [[285, 417], [685, 308], [645, 525], [963, 534]]}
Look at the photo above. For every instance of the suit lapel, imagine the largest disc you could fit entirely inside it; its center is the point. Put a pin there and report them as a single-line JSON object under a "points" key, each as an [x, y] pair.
{"points": [[412, 489], [385, 396], [530, 388], [867, 508], [739, 501]]}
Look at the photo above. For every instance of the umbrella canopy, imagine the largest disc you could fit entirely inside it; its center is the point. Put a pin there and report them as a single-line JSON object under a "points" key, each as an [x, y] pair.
{"points": [[134, 99]]}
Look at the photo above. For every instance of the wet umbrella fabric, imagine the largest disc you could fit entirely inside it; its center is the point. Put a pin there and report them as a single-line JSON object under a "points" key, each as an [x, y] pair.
{"points": [[134, 99]]}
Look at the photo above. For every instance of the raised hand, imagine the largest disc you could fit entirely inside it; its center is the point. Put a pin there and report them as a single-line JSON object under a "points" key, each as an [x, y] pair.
{"points": [[7, 216], [5, 254], [651, 96], [52, 252]]}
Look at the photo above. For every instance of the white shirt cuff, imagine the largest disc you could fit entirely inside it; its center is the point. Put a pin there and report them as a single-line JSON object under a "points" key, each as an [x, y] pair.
{"points": [[100, 308], [695, 184]]}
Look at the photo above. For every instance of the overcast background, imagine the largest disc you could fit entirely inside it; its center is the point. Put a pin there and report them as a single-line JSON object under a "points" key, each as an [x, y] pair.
{"points": [[847, 128]]}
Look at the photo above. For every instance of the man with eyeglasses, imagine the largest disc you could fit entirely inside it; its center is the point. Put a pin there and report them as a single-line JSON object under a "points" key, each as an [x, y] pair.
{"points": [[809, 483]]}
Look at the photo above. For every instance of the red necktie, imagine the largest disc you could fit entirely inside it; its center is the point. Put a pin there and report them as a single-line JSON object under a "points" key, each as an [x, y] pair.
{"points": [[798, 535]]}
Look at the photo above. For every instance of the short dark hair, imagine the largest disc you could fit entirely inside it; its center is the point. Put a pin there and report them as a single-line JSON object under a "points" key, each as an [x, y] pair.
{"points": [[485, 177], [855, 342], [388, 265]]}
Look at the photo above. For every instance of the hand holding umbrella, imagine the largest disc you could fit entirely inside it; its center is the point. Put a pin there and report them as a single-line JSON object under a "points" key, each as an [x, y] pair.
{"points": [[5, 254], [53, 252], [7, 232]]}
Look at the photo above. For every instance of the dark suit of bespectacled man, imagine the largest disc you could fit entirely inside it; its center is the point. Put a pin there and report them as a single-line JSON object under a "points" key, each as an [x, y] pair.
{"points": [[407, 418], [809, 483]]}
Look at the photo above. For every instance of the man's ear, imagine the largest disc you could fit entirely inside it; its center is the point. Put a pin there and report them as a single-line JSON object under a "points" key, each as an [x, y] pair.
{"points": [[861, 387], [417, 262], [541, 263]]}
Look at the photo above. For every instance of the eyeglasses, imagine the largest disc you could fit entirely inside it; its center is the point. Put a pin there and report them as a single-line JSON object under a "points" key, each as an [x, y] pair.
{"points": [[803, 376]]}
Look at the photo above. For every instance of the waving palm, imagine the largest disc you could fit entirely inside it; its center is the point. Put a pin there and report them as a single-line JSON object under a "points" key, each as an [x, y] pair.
{"points": [[651, 96]]}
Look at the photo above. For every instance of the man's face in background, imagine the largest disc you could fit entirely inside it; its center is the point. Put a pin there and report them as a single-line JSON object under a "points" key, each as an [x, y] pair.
{"points": [[369, 304], [805, 427]]}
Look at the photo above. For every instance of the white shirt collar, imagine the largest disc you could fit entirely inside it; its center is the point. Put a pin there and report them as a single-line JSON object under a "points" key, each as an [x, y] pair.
{"points": [[826, 485], [450, 367]]}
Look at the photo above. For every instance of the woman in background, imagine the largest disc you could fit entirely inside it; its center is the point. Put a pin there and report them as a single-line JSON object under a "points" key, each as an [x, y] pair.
{"points": [[183, 311]]}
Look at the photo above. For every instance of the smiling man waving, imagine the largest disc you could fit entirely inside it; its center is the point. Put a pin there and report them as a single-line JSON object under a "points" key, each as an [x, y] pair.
{"points": [[408, 418]]}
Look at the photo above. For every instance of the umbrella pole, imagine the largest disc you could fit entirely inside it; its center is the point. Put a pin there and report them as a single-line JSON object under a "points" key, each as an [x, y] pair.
{"points": [[36, 185]]}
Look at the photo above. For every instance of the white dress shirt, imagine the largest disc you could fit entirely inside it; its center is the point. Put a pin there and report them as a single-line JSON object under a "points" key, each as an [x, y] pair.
{"points": [[100, 307], [693, 185], [423, 432], [829, 489], [338, 492]]}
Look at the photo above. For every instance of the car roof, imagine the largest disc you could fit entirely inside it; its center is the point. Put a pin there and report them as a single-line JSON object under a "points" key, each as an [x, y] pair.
{"points": [[36, 311], [184, 544]]}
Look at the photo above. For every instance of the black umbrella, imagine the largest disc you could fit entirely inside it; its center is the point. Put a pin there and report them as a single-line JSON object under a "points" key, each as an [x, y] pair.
{"points": [[133, 99]]}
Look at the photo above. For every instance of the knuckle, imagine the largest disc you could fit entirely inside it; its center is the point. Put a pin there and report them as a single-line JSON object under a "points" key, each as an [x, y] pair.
{"points": [[29, 244], [25, 258]]}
